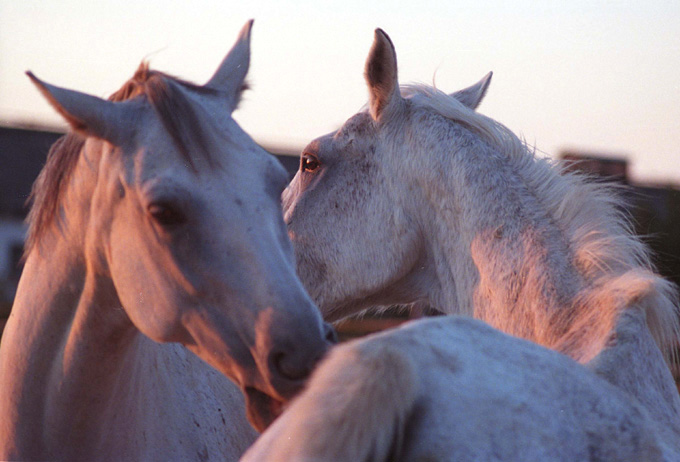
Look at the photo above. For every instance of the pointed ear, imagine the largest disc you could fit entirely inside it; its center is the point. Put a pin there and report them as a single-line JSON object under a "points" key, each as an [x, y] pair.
{"points": [[89, 115], [473, 95], [231, 73], [381, 76]]}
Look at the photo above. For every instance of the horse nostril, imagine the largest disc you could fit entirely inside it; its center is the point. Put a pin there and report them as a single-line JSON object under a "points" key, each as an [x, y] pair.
{"points": [[287, 366], [295, 363], [330, 334]]}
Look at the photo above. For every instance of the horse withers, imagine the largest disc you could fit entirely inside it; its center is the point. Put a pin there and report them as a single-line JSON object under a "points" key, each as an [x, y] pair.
{"points": [[156, 228]]}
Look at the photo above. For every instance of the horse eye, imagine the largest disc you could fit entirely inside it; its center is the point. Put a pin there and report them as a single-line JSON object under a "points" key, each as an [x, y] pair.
{"points": [[309, 163], [166, 214]]}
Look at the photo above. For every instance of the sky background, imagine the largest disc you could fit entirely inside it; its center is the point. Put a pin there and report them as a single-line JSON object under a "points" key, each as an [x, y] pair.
{"points": [[595, 76]]}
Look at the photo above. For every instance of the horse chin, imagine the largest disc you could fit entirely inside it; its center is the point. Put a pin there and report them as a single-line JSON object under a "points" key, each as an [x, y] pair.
{"points": [[261, 408]]}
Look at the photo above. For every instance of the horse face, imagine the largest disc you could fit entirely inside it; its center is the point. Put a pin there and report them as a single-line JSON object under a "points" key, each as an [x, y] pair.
{"points": [[186, 222], [351, 184], [202, 257], [355, 208], [347, 188]]}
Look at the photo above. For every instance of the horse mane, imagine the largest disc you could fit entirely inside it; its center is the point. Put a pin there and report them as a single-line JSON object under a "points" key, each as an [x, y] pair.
{"points": [[590, 215], [172, 107]]}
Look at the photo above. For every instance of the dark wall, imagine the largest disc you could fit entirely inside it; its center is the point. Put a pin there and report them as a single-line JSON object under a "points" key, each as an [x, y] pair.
{"points": [[656, 215], [290, 163], [22, 155]]}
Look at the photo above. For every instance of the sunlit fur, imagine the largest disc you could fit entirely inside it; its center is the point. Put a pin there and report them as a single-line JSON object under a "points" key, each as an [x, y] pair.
{"points": [[424, 201]]}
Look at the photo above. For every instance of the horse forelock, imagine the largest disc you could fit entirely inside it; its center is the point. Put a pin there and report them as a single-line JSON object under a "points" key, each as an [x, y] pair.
{"points": [[590, 214], [172, 106], [175, 111]]}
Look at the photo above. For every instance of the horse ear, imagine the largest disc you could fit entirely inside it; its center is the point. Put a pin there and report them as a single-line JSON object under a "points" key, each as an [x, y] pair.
{"points": [[87, 114], [230, 75], [381, 76], [473, 95]]}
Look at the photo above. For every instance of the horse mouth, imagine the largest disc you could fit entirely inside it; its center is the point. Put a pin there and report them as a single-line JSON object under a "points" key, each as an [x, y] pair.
{"points": [[261, 408]]}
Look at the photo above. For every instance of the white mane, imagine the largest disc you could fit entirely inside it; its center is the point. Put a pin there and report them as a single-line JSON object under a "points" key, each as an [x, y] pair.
{"points": [[591, 218]]}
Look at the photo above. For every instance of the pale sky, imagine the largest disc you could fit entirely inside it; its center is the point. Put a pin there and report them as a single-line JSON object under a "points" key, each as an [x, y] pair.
{"points": [[599, 76]]}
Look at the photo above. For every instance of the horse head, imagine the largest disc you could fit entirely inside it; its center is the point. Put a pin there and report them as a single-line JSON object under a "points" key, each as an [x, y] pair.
{"points": [[368, 168], [183, 229]]}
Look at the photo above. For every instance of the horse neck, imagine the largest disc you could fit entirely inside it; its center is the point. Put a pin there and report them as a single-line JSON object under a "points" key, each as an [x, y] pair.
{"points": [[499, 254], [78, 379], [545, 256], [536, 253], [67, 333]]}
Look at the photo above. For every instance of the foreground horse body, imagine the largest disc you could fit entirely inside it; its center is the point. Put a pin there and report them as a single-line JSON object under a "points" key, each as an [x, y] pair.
{"points": [[465, 218], [453, 388], [156, 224]]}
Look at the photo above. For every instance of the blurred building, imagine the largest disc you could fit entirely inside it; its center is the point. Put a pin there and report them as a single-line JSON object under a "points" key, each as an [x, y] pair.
{"points": [[22, 154], [654, 209], [611, 167]]}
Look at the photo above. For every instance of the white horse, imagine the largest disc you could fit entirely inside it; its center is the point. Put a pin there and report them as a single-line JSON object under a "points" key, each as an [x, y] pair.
{"points": [[420, 199], [454, 389], [156, 228]]}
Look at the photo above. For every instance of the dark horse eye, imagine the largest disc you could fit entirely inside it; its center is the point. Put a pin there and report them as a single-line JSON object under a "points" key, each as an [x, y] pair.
{"points": [[166, 214], [309, 163]]}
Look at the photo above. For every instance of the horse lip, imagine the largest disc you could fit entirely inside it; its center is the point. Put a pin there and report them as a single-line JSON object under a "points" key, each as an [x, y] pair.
{"points": [[261, 408]]}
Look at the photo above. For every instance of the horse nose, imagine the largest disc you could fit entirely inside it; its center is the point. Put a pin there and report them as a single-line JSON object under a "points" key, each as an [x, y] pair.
{"points": [[293, 365], [295, 362], [287, 366]]}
